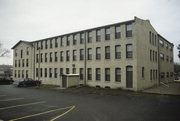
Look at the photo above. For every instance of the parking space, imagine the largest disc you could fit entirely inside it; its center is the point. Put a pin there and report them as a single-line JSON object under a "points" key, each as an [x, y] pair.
{"points": [[14, 108]]}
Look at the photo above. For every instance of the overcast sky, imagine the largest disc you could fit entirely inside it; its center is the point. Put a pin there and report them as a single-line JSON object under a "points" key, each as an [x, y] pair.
{"points": [[37, 19]]}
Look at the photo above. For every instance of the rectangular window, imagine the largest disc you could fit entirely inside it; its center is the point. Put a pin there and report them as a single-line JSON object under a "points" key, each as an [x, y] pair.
{"points": [[50, 43], [107, 33], [41, 72], [167, 58], [74, 39], [67, 55], [27, 62], [21, 53], [98, 53], [37, 46], [19, 63], [117, 51], [61, 56], [55, 73], [67, 70], [41, 57], [61, 42], [98, 74], [161, 42], [56, 43], [156, 56], [150, 55], [151, 74], [152, 38], [89, 37], [129, 51], [22, 73], [50, 72], [161, 56], [74, 70], [45, 72], [128, 30], [107, 74], [37, 72], [166, 45], [68, 41], [37, 58], [117, 32], [171, 59], [26, 73], [81, 72], [50, 57], [74, 55], [61, 71], [45, 57], [118, 74], [107, 52], [81, 38], [18, 73], [167, 74], [89, 74], [22, 62], [41, 44], [27, 51], [46, 44], [56, 57], [81, 54], [89, 53], [98, 35], [15, 73], [143, 72]]}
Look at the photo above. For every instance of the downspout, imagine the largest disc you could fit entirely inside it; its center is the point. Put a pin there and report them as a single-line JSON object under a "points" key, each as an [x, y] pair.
{"points": [[158, 64], [85, 59], [34, 62]]}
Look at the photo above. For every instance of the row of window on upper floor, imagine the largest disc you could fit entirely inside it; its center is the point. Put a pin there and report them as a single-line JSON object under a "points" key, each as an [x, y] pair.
{"points": [[74, 39], [117, 51], [165, 45], [168, 59], [24, 64]]}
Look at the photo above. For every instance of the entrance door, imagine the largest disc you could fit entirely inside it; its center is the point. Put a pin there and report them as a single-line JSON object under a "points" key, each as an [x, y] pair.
{"points": [[129, 77], [64, 81]]}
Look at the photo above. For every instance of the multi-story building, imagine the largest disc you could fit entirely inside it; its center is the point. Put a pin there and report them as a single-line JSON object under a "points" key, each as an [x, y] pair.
{"points": [[129, 55]]}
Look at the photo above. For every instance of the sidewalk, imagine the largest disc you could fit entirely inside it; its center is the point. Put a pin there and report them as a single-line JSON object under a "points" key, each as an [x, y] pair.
{"points": [[173, 89]]}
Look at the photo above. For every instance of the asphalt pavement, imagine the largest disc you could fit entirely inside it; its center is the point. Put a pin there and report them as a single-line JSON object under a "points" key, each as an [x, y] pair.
{"points": [[27, 104]]}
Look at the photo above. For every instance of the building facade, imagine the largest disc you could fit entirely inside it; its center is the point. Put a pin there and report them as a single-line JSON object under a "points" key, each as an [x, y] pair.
{"points": [[129, 55]]}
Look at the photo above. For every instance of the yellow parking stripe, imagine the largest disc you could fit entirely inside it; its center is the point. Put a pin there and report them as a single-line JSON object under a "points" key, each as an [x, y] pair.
{"points": [[63, 113], [15, 106], [12, 99], [2, 95], [37, 114]]}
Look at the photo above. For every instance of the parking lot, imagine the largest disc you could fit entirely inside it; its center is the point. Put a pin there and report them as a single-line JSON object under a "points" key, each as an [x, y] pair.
{"points": [[27, 104], [16, 108]]}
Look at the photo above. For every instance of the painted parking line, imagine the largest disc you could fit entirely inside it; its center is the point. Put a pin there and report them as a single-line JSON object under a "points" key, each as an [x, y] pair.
{"points": [[37, 114], [63, 113], [2, 95], [21, 105], [11, 99]]}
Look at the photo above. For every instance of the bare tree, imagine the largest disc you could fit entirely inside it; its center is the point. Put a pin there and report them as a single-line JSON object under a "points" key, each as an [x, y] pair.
{"points": [[3, 52]]}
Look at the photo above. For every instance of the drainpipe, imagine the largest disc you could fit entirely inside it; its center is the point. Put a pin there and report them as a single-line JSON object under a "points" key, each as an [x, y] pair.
{"points": [[85, 59], [158, 64], [34, 63]]}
